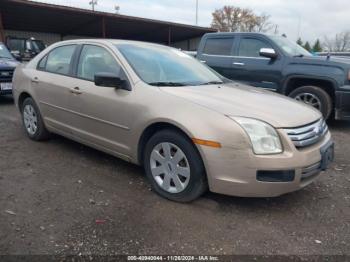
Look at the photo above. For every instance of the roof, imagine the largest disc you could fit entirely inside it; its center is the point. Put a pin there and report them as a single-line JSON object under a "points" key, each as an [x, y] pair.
{"points": [[41, 17]]}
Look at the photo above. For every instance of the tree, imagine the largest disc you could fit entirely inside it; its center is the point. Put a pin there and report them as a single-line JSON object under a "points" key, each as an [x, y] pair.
{"points": [[307, 46], [233, 19], [317, 46], [300, 42], [340, 43]]}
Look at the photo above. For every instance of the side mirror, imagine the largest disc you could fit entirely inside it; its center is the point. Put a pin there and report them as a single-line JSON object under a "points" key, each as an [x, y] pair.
{"points": [[268, 52], [111, 80]]}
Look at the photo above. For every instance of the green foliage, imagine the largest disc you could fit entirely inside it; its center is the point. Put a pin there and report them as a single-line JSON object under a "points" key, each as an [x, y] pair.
{"points": [[317, 46], [307, 46], [300, 42]]}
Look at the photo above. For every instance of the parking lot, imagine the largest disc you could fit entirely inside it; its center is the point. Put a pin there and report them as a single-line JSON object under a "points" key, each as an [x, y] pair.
{"points": [[60, 197]]}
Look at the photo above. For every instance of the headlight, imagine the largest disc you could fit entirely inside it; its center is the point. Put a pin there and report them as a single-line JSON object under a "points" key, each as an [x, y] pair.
{"points": [[264, 137]]}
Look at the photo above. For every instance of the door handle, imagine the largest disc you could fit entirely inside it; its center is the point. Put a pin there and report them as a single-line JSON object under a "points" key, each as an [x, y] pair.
{"points": [[75, 90], [203, 61], [35, 80], [239, 64]]}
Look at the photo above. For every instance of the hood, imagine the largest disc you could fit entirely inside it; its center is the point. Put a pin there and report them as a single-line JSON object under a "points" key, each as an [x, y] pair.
{"points": [[323, 59], [241, 100], [8, 63]]}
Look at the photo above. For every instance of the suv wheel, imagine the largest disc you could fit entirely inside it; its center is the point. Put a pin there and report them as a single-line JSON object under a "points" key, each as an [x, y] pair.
{"points": [[32, 121], [314, 96], [174, 167]]}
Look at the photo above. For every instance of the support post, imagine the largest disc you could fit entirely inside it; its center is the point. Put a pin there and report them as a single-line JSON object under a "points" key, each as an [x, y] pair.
{"points": [[103, 27], [169, 36], [2, 29]]}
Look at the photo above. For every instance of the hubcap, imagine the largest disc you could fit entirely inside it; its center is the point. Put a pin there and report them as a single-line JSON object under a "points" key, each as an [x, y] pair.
{"points": [[310, 99], [30, 119], [170, 168]]}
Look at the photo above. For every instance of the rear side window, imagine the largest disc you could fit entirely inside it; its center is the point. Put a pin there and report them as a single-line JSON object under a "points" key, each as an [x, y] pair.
{"points": [[95, 59], [59, 60], [218, 46], [250, 47]]}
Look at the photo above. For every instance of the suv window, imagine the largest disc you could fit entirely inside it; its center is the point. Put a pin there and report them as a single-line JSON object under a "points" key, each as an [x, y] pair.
{"points": [[59, 59], [218, 46], [96, 59], [250, 47]]}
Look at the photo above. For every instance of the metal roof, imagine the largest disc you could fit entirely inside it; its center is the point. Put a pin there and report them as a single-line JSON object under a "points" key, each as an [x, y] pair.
{"points": [[41, 17]]}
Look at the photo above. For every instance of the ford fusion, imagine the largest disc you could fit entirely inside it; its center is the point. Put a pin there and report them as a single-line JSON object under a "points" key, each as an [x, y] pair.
{"points": [[191, 129]]}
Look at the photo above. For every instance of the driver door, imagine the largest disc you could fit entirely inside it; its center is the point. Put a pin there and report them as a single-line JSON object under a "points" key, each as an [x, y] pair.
{"points": [[102, 115], [253, 69]]}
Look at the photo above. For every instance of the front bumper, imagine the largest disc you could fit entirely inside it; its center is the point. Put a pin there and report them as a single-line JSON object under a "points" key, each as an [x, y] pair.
{"points": [[342, 103], [233, 171]]}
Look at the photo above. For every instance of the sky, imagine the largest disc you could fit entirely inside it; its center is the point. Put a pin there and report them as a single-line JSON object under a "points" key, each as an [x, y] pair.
{"points": [[309, 19]]}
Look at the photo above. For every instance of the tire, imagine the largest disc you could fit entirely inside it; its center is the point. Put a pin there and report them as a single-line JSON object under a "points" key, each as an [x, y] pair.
{"points": [[316, 94], [194, 185], [37, 132]]}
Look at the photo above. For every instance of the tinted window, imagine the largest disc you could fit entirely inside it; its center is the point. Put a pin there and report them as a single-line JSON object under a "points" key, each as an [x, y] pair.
{"points": [[95, 59], [16, 45], [59, 59], [218, 46], [250, 47]]}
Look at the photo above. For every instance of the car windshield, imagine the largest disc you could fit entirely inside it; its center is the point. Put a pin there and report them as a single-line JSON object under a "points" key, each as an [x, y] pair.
{"points": [[291, 48], [163, 66], [4, 52]]}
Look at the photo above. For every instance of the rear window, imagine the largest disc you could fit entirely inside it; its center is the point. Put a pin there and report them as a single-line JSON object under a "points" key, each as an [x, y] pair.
{"points": [[218, 46], [59, 59]]}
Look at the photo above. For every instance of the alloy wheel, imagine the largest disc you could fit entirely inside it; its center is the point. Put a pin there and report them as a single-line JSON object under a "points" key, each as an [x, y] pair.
{"points": [[310, 99]]}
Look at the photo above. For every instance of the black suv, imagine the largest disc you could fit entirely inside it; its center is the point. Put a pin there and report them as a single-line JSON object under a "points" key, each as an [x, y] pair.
{"points": [[278, 64], [7, 67]]}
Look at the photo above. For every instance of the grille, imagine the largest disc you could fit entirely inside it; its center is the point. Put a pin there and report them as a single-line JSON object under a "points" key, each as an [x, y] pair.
{"points": [[307, 135], [6, 75]]}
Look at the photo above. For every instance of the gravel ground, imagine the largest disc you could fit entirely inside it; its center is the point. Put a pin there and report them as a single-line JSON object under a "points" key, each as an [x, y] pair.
{"points": [[59, 197]]}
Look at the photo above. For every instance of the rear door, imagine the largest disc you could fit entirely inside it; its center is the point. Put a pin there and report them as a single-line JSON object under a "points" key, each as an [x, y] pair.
{"points": [[51, 84], [249, 67], [217, 53]]}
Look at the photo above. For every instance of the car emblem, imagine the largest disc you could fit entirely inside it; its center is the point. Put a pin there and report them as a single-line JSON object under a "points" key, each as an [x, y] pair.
{"points": [[318, 130]]}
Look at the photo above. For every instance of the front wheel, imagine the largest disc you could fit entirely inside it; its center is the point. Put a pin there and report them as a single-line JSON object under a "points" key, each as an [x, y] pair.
{"points": [[315, 97], [174, 167]]}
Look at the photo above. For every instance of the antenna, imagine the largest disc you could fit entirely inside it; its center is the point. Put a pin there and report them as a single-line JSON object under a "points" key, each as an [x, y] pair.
{"points": [[93, 3]]}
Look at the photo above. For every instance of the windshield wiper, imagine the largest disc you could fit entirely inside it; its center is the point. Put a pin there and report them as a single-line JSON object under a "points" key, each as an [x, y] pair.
{"points": [[212, 83], [6, 57], [167, 84]]}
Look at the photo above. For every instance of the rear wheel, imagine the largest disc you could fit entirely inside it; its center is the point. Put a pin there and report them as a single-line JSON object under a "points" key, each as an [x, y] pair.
{"points": [[174, 167], [316, 97], [32, 121]]}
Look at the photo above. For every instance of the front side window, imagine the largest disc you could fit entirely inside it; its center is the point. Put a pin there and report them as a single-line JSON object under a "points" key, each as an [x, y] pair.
{"points": [[96, 59], [59, 60], [250, 47], [164, 66], [218, 46], [291, 48]]}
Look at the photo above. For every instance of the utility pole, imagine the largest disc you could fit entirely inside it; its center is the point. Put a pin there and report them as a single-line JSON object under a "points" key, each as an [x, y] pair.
{"points": [[93, 3], [196, 12]]}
